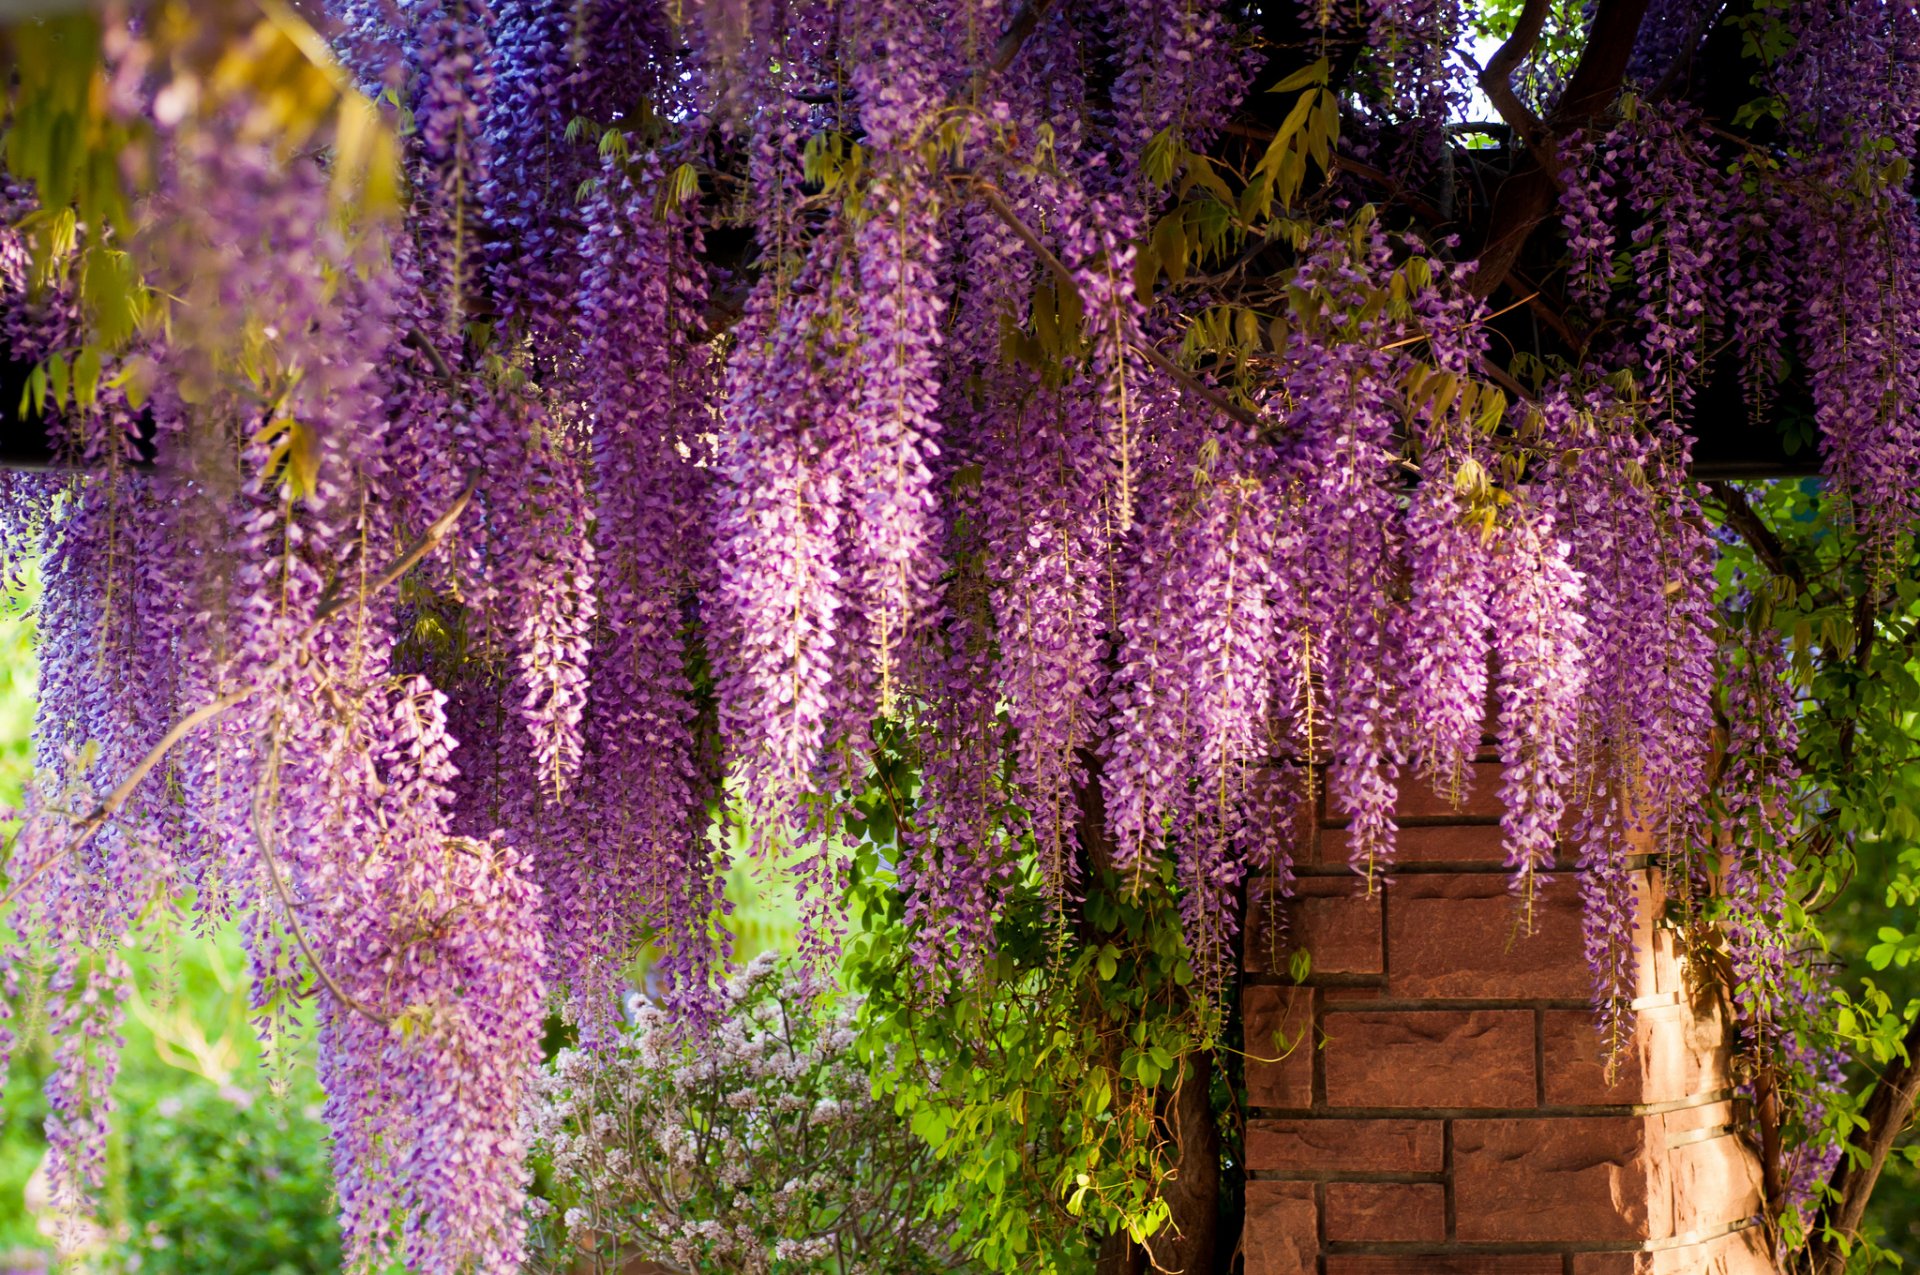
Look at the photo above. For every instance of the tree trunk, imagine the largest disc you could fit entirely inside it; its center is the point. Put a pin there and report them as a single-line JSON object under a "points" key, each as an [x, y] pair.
{"points": [[1188, 1242], [1119, 1256]]}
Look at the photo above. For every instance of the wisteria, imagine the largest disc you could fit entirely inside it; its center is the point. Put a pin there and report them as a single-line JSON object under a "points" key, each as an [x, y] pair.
{"points": [[721, 410]]}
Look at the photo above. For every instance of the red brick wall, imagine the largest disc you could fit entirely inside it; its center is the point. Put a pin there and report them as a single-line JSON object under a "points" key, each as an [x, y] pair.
{"points": [[1445, 1108]]}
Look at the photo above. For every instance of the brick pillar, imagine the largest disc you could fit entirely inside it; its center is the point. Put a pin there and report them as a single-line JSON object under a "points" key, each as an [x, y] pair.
{"points": [[1446, 1109]]}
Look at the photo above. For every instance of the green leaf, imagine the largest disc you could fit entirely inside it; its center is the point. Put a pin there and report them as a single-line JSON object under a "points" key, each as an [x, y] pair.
{"points": [[1314, 73]]}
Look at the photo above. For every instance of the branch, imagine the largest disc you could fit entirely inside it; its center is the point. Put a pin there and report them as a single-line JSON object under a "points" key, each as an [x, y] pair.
{"points": [[1752, 528], [1496, 81], [1024, 23], [1887, 1113], [1527, 198], [84, 828]]}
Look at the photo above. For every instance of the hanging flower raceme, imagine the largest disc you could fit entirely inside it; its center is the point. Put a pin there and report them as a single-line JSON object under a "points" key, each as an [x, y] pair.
{"points": [[1633, 531], [641, 860], [1849, 88], [1346, 463], [1778, 987]]}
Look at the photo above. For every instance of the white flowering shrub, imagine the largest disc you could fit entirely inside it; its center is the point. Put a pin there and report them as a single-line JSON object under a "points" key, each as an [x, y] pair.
{"points": [[755, 1148]]}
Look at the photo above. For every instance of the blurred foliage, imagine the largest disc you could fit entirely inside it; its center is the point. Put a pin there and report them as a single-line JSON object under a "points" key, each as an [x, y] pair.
{"points": [[224, 1179]]}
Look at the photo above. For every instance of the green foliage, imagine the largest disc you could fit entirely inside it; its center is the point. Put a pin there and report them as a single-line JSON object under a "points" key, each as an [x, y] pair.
{"points": [[226, 1179], [1039, 1081], [1852, 622]]}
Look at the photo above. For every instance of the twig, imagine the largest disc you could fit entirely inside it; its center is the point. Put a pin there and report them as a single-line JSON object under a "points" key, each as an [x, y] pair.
{"points": [[1505, 380], [85, 827], [264, 839], [429, 540], [423, 343]]}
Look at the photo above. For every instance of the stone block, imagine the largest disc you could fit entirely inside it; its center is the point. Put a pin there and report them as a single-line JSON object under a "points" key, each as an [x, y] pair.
{"points": [[1387, 1212], [1429, 1058], [1560, 1180], [1278, 1073], [1690, 1124], [1282, 1228], [1741, 1253], [1332, 1145], [1440, 843], [1463, 936], [1672, 1055], [1333, 918], [1716, 1182]]}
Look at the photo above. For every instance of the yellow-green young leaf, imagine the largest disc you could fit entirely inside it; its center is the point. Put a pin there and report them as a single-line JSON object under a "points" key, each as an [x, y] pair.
{"points": [[86, 375], [685, 183], [1170, 246], [1493, 406], [57, 374], [112, 294], [1299, 965], [1200, 172], [1315, 73], [1278, 331], [270, 431], [1246, 329], [1160, 158], [1146, 272], [1324, 129]]}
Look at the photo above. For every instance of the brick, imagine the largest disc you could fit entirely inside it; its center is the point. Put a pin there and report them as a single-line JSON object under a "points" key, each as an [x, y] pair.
{"points": [[1288, 1011], [1612, 1263], [1674, 1054], [1418, 800], [1332, 1145], [1459, 935], [1560, 1180], [1445, 843], [1410, 1212], [1429, 1058], [1444, 1264], [1333, 918], [1716, 1181], [1282, 1229]]}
